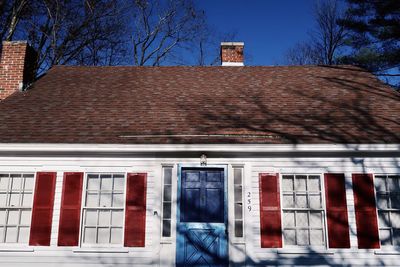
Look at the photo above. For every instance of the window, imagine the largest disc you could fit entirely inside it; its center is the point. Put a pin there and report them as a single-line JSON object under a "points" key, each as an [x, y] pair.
{"points": [[303, 211], [388, 204], [238, 201], [103, 209], [16, 192], [167, 201]]}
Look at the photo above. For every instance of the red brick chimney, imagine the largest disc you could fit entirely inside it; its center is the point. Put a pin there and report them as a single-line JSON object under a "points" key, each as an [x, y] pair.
{"points": [[232, 54], [17, 66]]}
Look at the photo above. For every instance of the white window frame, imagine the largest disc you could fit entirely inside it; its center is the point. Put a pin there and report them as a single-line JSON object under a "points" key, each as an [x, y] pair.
{"points": [[167, 239], [388, 210], [323, 203], [7, 208], [238, 239], [83, 207]]}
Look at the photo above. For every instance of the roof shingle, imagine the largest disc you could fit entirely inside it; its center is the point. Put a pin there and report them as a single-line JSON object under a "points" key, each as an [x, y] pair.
{"points": [[139, 105]]}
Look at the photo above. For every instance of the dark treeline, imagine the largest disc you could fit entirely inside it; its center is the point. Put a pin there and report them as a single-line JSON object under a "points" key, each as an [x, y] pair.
{"points": [[359, 32]]}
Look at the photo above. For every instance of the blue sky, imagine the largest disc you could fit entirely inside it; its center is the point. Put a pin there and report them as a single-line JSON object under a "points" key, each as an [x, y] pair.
{"points": [[268, 27]]}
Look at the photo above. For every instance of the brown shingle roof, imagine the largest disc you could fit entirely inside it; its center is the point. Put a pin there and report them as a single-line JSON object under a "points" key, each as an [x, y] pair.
{"points": [[305, 104]]}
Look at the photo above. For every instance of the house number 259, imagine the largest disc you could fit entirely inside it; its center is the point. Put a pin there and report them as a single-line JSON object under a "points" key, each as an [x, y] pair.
{"points": [[249, 201]]}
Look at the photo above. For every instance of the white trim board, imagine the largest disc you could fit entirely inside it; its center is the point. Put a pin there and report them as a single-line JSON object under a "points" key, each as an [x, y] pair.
{"points": [[37, 147]]}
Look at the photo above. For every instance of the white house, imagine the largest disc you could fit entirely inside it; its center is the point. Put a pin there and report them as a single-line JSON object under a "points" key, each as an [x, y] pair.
{"points": [[197, 166]]}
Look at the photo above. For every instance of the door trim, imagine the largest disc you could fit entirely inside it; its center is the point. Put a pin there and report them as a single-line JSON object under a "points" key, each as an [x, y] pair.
{"points": [[178, 199]]}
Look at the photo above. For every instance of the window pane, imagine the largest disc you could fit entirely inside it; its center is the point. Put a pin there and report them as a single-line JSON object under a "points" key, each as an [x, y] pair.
{"points": [[316, 237], [16, 184], [238, 211], [288, 201], [167, 210], [383, 219], [93, 182], [27, 200], [382, 201], [380, 183], [119, 182], [289, 237], [2, 234], [316, 219], [104, 217], [11, 234], [314, 183], [106, 182], [4, 183], [92, 200], [395, 219], [393, 184], [2, 218], [287, 183], [13, 217], [14, 200], [302, 237], [117, 218], [385, 237], [301, 201], [288, 219], [167, 175], [167, 192], [103, 235], [116, 235], [315, 201], [396, 237], [239, 228], [118, 200], [301, 219], [29, 180], [25, 217], [237, 174], [301, 183], [238, 193], [166, 228], [3, 198], [23, 235], [91, 217], [395, 201], [105, 200], [89, 235]]}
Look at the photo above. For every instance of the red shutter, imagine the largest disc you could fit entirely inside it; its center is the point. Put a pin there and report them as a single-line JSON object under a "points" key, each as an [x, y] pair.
{"points": [[270, 211], [365, 208], [42, 211], [336, 211], [68, 231], [135, 213]]}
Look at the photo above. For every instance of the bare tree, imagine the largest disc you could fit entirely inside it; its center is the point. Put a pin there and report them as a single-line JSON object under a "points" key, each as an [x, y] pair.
{"points": [[324, 41], [87, 32], [11, 12], [162, 28]]}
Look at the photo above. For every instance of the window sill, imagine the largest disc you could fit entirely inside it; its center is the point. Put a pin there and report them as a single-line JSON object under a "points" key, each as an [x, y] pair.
{"points": [[16, 249], [387, 252], [101, 250], [308, 251]]}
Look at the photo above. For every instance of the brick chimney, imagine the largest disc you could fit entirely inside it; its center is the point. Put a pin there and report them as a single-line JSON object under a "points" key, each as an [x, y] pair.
{"points": [[232, 54], [17, 66]]}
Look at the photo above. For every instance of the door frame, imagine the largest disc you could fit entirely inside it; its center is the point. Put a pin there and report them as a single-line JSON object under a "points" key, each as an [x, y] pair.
{"points": [[178, 199]]}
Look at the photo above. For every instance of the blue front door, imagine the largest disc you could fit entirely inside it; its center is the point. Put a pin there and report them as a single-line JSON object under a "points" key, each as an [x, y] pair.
{"points": [[201, 225]]}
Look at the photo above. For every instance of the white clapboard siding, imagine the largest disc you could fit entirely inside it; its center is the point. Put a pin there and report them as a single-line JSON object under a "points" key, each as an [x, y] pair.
{"points": [[162, 252]]}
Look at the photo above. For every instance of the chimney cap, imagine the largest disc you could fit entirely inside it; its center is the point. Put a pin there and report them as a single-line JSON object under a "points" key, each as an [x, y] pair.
{"points": [[232, 43]]}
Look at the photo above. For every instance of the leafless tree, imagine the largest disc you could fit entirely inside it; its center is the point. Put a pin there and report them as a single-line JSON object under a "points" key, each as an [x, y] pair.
{"points": [[66, 31], [163, 28], [324, 41]]}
